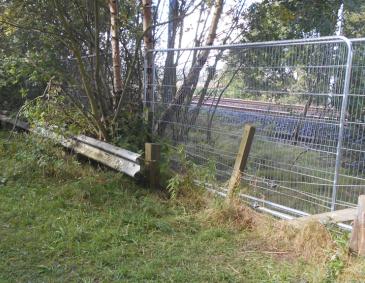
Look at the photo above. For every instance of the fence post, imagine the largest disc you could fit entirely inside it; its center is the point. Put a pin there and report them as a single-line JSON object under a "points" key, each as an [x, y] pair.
{"points": [[357, 241], [241, 159], [346, 90], [152, 159]]}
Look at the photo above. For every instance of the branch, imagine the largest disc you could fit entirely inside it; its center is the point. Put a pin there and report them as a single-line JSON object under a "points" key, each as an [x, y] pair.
{"points": [[177, 18], [27, 103], [28, 28]]}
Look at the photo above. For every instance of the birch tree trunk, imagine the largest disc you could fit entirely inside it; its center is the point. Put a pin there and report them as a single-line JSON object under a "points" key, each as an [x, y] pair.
{"points": [[114, 32]]}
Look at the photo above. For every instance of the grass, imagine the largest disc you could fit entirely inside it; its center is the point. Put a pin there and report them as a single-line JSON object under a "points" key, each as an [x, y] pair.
{"points": [[66, 220]]}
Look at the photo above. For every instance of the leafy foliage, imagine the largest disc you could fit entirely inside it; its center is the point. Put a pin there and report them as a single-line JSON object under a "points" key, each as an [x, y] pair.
{"points": [[354, 15], [286, 19], [187, 172], [70, 41]]}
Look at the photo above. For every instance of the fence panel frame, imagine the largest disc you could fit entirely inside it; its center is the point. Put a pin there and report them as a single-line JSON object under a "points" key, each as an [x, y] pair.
{"points": [[345, 93]]}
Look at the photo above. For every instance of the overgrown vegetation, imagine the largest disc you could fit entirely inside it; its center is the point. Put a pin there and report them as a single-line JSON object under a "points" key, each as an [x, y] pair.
{"points": [[78, 67], [64, 219]]}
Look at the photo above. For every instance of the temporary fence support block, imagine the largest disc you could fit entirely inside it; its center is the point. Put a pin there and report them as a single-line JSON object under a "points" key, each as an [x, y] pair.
{"points": [[241, 159]]}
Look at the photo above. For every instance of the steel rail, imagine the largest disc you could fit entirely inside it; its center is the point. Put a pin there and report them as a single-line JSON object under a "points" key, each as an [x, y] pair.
{"points": [[346, 90], [292, 42]]}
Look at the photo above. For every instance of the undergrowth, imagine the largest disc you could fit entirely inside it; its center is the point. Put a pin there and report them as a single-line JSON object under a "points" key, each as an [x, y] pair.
{"points": [[63, 219]]}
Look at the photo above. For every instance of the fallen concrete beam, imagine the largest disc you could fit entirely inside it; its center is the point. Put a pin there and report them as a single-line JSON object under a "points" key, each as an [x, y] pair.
{"points": [[114, 157], [11, 121], [117, 151]]}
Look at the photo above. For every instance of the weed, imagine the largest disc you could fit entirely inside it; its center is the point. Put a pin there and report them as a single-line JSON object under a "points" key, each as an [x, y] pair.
{"points": [[185, 173], [334, 268], [174, 185]]}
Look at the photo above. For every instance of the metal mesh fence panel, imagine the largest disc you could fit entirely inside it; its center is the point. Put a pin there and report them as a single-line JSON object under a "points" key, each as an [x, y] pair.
{"points": [[352, 171], [304, 99]]}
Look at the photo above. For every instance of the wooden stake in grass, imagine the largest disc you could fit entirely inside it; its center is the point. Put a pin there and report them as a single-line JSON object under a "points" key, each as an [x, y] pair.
{"points": [[357, 241], [241, 159], [152, 158]]}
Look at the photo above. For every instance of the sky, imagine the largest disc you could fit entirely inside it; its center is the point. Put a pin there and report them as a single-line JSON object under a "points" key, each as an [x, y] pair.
{"points": [[191, 21], [190, 25]]}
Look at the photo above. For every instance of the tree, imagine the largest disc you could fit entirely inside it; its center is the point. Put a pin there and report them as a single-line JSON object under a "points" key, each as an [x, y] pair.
{"points": [[287, 19], [354, 18], [114, 32], [169, 78], [74, 32], [187, 89], [148, 42]]}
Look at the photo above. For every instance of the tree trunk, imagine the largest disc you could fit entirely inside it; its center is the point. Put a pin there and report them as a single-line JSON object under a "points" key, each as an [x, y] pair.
{"points": [[210, 118], [191, 80], [85, 79], [114, 32], [204, 91], [211, 73], [295, 135], [97, 76], [169, 79], [148, 45]]}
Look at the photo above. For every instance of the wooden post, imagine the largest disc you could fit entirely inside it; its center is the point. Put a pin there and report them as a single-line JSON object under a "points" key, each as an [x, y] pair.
{"points": [[357, 241], [241, 159], [152, 158]]}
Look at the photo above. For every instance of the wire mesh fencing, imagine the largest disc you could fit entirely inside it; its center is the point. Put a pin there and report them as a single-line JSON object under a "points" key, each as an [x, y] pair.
{"points": [[306, 99]]}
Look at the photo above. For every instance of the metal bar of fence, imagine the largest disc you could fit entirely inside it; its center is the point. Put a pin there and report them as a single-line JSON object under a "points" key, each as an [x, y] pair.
{"points": [[346, 90], [360, 39], [324, 39]]}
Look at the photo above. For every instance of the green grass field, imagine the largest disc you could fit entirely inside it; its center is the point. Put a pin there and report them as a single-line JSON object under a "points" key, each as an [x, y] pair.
{"points": [[66, 220]]}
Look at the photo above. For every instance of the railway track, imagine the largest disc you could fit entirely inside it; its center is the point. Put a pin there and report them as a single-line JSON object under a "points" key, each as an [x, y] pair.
{"points": [[269, 108]]}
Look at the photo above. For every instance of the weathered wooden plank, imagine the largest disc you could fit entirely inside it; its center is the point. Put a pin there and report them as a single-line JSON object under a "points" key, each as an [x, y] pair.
{"points": [[343, 215], [241, 159]]}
